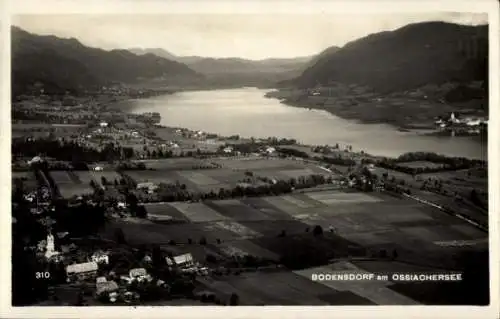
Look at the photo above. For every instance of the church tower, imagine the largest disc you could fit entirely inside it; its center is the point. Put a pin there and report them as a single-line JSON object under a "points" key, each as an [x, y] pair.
{"points": [[51, 251]]}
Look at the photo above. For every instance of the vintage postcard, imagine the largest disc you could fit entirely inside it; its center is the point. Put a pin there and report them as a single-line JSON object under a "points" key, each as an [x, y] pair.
{"points": [[163, 157]]}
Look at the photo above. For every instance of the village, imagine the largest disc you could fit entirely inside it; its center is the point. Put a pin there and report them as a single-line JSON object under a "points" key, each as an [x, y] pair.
{"points": [[121, 210]]}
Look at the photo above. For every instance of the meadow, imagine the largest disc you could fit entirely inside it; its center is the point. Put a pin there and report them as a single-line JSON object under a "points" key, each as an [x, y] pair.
{"points": [[69, 184], [280, 228]]}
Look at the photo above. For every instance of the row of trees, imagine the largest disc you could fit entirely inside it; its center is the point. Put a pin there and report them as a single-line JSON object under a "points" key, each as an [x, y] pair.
{"points": [[178, 192], [337, 160], [286, 151], [422, 170], [437, 158], [69, 151], [26, 115], [74, 152]]}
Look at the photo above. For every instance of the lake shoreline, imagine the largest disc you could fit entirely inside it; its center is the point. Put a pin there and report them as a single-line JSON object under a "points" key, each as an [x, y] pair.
{"points": [[180, 116], [367, 107]]}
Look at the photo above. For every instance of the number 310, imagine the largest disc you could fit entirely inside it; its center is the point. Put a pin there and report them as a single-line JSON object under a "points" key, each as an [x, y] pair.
{"points": [[42, 275]]}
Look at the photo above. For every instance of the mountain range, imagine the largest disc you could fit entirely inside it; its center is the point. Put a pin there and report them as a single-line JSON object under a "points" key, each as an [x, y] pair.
{"points": [[399, 60], [66, 64], [406, 58], [208, 65]]}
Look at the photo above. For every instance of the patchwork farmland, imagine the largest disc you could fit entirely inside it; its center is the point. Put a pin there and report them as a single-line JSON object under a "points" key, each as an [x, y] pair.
{"points": [[70, 184], [355, 225], [199, 175]]}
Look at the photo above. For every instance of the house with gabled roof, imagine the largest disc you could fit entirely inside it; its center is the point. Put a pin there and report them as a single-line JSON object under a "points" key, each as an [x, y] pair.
{"points": [[82, 271]]}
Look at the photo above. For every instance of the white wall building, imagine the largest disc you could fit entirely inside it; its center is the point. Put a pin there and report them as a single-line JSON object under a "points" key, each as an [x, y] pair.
{"points": [[100, 258], [50, 249], [83, 270], [181, 261]]}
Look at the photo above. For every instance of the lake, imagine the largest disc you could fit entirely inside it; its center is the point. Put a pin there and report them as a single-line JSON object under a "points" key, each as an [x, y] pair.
{"points": [[248, 113]]}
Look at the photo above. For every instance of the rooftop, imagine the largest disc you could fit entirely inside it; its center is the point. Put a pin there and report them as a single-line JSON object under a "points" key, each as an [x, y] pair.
{"points": [[83, 267]]}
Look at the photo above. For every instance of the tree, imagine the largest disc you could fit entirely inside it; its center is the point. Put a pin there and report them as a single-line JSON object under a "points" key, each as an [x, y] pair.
{"points": [[157, 257], [120, 236], [203, 241], [234, 299], [383, 253], [141, 211], [210, 258], [80, 298], [317, 230], [394, 254]]}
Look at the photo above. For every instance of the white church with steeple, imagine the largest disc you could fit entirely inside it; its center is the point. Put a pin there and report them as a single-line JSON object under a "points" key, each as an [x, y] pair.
{"points": [[453, 118], [50, 250]]}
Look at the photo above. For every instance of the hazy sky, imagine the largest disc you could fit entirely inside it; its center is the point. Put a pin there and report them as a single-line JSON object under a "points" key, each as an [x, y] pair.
{"points": [[253, 36]]}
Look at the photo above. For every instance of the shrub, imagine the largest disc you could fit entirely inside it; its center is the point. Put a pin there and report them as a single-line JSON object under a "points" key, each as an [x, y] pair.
{"points": [[234, 300], [203, 241], [318, 230]]}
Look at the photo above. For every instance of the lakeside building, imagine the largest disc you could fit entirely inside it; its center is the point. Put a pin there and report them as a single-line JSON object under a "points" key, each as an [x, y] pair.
{"points": [[469, 124]]}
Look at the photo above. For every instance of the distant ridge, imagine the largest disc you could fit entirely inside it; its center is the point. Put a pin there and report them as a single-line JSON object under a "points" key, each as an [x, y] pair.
{"points": [[66, 64], [209, 65], [409, 57]]}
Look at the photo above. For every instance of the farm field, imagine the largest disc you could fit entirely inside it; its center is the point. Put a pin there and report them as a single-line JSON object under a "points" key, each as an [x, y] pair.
{"points": [[195, 180], [156, 177], [466, 179], [368, 225], [279, 288], [165, 210], [176, 164], [206, 180], [84, 176], [23, 175], [28, 178], [371, 221], [378, 292], [459, 207], [259, 163], [69, 184], [202, 181], [110, 176]]}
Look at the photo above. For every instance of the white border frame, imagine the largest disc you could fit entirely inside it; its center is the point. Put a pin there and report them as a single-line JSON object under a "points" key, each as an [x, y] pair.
{"points": [[248, 6]]}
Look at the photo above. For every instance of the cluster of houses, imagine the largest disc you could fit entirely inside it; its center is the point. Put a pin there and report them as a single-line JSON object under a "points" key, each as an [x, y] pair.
{"points": [[361, 179], [453, 120], [267, 150], [149, 187], [112, 287]]}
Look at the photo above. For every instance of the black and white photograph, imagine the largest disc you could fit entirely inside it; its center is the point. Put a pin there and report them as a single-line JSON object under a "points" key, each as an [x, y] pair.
{"points": [[250, 159]]}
